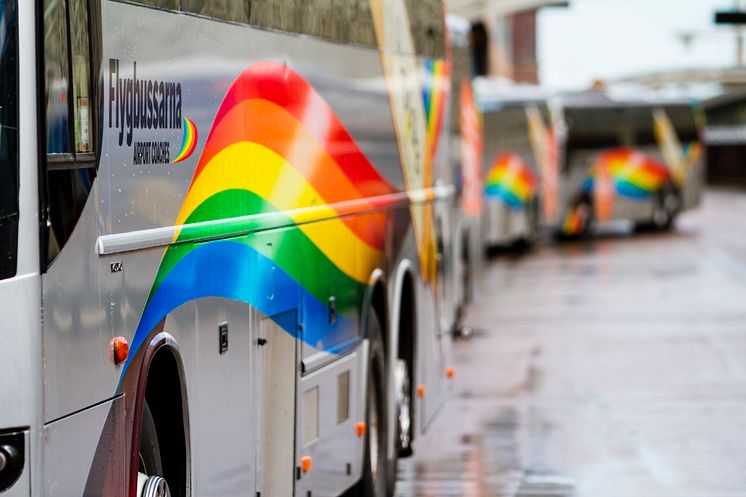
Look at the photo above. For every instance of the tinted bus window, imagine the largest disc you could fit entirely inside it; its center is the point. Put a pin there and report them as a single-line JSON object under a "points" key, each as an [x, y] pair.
{"points": [[8, 138], [81, 74], [344, 21], [71, 166], [56, 73], [229, 10], [595, 127], [427, 18]]}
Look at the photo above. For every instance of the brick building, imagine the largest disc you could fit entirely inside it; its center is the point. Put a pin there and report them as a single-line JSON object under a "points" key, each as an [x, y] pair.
{"points": [[503, 36]]}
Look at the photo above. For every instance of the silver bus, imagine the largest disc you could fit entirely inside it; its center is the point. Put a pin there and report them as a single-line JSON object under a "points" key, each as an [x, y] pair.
{"points": [[520, 161], [634, 155], [221, 250]]}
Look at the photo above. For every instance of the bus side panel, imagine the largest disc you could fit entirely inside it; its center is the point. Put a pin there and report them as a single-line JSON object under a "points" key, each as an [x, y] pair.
{"points": [[72, 443], [219, 392], [76, 332]]}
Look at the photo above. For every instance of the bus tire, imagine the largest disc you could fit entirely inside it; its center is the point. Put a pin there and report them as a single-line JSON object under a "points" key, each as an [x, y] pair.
{"points": [[531, 211], [150, 450], [374, 481], [667, 207], [150, 476]]}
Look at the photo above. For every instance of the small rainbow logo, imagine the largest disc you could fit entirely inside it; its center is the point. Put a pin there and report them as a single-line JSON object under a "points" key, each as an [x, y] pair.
{"points": [[510, 180], [189, 141]]}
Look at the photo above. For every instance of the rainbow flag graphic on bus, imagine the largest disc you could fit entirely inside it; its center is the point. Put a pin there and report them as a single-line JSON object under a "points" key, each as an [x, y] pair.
{"points": [[628, 174], [635, 175], [511, 180], [273, 125], [435, 95]]}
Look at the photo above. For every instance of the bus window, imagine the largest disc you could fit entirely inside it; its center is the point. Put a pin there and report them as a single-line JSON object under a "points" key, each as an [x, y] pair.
{"points": [[56, 70], [8, 138], [163, 4], [228, 10], [81, 75], [427, 18], [70, 160]]}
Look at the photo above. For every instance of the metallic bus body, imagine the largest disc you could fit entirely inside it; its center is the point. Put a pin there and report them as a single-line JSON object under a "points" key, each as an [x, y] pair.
{"points": [[519, 156], [240, 430], [20, 326], [632, 124]]}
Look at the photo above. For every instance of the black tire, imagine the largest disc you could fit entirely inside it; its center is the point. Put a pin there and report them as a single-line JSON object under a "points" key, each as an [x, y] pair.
{"points": [[532, 224], [150, 450], [375, 479], [667, 207]]}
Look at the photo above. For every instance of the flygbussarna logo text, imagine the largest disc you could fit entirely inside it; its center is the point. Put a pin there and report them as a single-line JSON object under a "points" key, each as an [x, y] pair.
{"points": [[141, 103]]}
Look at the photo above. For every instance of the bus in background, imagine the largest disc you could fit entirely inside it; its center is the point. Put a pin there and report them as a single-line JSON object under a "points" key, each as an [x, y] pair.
{"points": [[466, 157], [220, 262], [628, 154], [521, 161]]}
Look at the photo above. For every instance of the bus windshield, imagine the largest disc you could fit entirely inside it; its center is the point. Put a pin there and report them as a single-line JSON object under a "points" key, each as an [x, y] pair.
{"points": [[8, 137]]}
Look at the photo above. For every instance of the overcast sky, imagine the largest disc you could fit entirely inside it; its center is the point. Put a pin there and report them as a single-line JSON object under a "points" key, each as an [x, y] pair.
{"points": [[607, 39]]}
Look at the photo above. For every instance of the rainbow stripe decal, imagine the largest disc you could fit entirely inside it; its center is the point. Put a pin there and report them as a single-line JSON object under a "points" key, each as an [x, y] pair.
{"points": [[435, 97], [635, 175], [275, 145], [692, 153], [189, 140], [510, 180]]}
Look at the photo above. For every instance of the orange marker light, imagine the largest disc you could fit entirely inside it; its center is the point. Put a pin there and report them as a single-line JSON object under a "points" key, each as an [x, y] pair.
{"points": [[305, 464], [450, 372], [360, 429], [120, 350], [420, 390]]}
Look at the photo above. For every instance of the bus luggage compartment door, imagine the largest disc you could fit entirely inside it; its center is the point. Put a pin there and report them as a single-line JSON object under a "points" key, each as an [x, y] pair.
{"points": [[276, 380]]}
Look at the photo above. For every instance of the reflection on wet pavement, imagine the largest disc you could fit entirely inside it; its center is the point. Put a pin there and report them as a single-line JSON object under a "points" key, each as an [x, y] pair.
{"points": [[608, 368], [488, 464]]}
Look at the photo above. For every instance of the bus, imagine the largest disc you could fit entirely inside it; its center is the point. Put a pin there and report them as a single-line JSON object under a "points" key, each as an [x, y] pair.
{"points": [[222, 265], [520, 159], [627, 154]]}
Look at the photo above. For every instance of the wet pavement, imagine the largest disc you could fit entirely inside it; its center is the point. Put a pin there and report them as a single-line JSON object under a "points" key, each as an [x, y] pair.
{"points": [[614, 367]]}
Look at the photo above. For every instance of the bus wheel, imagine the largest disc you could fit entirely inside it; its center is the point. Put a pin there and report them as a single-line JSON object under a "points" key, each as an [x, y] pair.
{"points": [[150, 481], [403, 409], [532, 224], [666, 208], [374, 481]]}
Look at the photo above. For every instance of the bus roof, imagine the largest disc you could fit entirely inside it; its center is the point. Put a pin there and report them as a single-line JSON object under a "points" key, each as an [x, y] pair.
{"points": [[625, 96], [493, 94]]}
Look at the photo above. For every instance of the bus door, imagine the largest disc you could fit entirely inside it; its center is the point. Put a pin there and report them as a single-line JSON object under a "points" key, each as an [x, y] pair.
{"points": [[330, 387], [275, 326]]}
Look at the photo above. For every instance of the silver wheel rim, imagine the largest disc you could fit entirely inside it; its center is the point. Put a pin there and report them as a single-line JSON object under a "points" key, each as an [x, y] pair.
{"points": [[403, 400]]}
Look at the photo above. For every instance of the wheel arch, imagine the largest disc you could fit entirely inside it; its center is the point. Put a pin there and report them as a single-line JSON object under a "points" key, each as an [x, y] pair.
{"points": [[162, 383], [403, 336]]}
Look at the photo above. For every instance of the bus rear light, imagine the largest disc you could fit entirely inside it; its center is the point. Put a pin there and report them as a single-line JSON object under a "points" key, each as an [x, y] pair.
{"points": [[305, 464], [450, 372], [360, 429], [120, 350], [420, 390]]}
